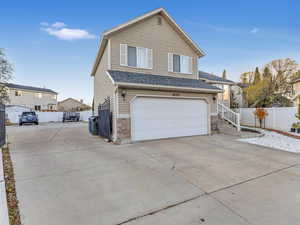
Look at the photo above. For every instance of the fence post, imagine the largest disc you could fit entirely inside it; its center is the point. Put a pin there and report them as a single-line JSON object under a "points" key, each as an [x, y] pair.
{"points": [[2, 126], [238, 122], [274, 119], [222, 111]]}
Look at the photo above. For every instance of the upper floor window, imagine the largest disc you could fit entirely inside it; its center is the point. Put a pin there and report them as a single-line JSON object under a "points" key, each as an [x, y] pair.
{"points": [[39, 95], [138, 57], [180, 63], [18, 93], [37, 107]]}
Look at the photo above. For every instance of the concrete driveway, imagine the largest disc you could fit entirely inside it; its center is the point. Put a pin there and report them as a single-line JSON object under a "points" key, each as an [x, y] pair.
{"points": [[65, 176]]}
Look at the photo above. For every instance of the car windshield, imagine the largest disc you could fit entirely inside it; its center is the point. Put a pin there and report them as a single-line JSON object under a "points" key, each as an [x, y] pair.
{"points": [[28, 113]]}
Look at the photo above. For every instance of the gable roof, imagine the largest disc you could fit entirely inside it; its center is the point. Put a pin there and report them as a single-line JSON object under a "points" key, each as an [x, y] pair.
{"points": [[123, 78], [30, 88], [74, 100], [160, 11], [213, 78]]}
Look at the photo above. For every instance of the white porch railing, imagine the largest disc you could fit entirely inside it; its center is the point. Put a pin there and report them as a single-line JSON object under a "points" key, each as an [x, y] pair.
{"points": [[229, 115]]}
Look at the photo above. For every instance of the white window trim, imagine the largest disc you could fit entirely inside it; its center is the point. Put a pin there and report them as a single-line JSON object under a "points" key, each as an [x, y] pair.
{"points": [[136, 67], [190, 57]]}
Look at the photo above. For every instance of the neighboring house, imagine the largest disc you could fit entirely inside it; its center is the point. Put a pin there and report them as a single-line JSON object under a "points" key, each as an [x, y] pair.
{"points": [[237, 95], [148, 67], [32, 97], [221, 83], [71, 105], [296, 92]]}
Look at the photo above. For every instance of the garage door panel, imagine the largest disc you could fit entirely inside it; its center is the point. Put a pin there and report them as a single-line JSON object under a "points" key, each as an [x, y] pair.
{"points": [[154, 118]]}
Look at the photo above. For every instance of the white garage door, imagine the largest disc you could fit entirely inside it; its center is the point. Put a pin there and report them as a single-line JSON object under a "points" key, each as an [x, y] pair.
{"points": [[154, 118]]}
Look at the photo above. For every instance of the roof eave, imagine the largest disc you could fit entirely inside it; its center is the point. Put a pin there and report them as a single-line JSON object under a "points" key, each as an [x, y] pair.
{"points": [[24, 89], [219, 82], [165, 87], [100, 52]]}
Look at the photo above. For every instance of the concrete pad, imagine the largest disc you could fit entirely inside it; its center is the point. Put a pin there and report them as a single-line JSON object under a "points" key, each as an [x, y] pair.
{"points": [[101, 195], [204, 210], [209, 166], [65, 174], [273, 199]]}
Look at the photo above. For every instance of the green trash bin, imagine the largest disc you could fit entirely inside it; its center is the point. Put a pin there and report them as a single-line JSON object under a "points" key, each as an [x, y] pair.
{"points": [[93, 125]]}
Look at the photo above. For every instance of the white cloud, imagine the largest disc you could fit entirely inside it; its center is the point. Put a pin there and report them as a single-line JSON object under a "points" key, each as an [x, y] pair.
{"points": [[254, 30], [58, 25], [59, 30]]}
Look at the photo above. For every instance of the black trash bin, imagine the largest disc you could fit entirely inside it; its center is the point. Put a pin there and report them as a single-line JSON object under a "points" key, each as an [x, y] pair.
{"points": [[93, 125]]}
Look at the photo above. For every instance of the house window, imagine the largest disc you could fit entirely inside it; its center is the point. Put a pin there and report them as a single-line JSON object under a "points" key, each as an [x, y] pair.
{"points": [[18, 93], [138, 57], [176, 63], [39, 95], [132, 56], [37, 107], [180, 63], [51, 107]]}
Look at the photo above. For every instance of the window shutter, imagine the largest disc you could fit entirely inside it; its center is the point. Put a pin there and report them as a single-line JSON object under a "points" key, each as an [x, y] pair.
{"points": [[170, 62], [123, 55], [150, 58], [191, 65]]}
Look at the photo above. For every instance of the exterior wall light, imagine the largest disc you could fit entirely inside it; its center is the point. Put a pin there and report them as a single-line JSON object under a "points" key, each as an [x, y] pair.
{"points": [[123, 94]]}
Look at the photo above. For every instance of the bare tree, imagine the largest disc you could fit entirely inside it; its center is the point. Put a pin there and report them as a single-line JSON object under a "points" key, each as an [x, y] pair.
{"points": [[282, 71], [6, 71], [275, 87]]}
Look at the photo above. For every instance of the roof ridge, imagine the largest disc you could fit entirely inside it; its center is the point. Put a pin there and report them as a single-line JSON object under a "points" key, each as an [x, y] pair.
{"points": [[27, 87]]}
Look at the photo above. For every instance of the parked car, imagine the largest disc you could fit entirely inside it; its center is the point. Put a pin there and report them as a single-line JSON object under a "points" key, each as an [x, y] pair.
{"points": [[28, 117], [71, 116]]}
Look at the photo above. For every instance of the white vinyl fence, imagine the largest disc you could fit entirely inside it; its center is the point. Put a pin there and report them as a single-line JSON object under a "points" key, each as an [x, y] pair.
{"points": [[278, 118], [12, 113]]}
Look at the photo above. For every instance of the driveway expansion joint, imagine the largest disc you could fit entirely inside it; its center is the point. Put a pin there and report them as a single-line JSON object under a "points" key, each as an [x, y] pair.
{"points": [[254, 178], [160, 210]]}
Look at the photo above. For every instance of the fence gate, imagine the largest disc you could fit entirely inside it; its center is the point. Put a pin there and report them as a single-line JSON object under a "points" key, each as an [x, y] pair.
{"points": [[2, 125], [105, 119]]}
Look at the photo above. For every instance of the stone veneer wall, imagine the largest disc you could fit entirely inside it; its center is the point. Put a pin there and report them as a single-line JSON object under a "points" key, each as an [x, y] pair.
{"points": [[123, 130], [214, 123]]}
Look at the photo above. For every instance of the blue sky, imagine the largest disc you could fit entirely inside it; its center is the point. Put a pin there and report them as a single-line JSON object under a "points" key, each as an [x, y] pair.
{"points": [[236, 35]]}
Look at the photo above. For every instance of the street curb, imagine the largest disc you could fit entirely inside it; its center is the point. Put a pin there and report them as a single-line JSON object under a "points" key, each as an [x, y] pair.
{"points": [[4, 219]]}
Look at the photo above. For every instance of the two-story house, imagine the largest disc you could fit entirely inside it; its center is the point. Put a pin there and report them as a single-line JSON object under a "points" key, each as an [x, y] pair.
{"points": [[221, 83], [34, 98], [72, 105], [148, 67]]}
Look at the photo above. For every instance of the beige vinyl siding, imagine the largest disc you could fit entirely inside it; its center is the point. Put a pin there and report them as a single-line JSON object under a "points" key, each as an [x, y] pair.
{"points": [[103, 86], [124, 105], [30, 98], [162, 39]]}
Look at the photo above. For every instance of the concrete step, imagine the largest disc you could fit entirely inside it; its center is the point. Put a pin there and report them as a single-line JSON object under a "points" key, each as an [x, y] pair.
{"points": [[224, 127]]}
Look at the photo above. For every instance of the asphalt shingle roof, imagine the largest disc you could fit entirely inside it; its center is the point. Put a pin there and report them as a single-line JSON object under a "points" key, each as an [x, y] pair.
{"points": [[212, 77], [23, 87], [151, 79]]}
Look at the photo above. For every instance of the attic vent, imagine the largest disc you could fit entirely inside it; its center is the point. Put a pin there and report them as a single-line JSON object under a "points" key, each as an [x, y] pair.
{"points": [[159, 20]]}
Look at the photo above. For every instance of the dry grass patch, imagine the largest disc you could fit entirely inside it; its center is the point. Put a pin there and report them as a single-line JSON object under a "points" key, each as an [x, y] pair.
{"points": [[12, 201]]}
